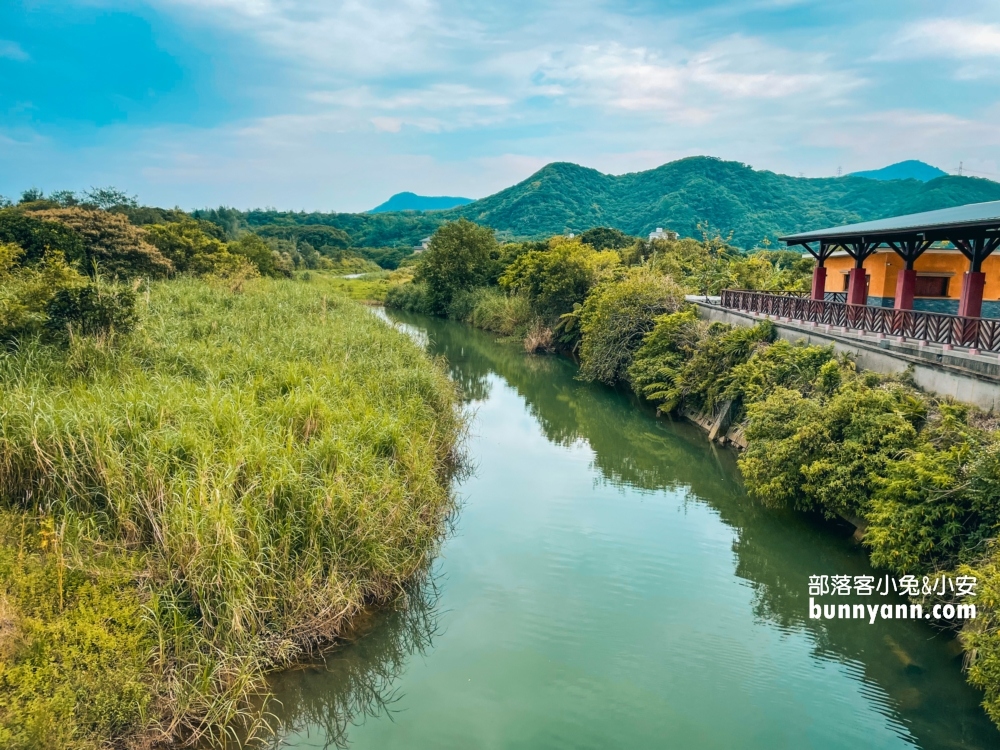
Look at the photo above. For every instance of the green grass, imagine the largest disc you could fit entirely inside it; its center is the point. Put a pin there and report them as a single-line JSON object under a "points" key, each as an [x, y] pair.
{"points": [[372, 287], [205, 500]]}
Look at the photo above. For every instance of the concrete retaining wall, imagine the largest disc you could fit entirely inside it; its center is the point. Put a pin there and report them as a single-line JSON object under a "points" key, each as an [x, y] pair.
{"points": [[964, 377]]}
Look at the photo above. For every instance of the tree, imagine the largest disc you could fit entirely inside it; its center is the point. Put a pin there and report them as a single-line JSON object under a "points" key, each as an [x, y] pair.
{"points": [[558, 277], [36, 236], [268, 262], [458, 258], [64, 198], [616, 318], [109, 197], [189, 248], [606, 238], [111, 243], [26, 291], [32, 195]]}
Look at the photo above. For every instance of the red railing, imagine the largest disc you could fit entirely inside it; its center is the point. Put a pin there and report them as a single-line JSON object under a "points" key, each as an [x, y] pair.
{"points": [[981, 334]]}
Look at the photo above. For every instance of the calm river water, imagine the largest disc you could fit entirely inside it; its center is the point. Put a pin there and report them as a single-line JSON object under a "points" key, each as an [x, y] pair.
{"points": [[608, 584]]}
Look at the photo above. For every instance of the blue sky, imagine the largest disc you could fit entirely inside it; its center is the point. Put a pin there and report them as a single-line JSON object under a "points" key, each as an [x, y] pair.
{"points": [[319, 105]]}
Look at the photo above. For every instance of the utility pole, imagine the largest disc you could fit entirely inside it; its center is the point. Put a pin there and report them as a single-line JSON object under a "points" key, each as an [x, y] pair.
{"points": [[960, 169], [840, 171]]}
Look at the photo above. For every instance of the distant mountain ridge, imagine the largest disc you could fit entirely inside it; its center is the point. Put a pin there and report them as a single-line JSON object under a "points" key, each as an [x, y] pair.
{"points": [[697, 191], [911, 169], [414, 202], [684, 196]]}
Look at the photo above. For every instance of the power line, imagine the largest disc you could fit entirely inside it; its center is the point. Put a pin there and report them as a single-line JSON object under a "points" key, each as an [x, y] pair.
{"points": [[961, 170]]}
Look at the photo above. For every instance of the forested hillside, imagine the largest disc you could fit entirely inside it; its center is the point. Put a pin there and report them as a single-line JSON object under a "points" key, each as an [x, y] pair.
{"points": [[729, 196], [681, 195]]}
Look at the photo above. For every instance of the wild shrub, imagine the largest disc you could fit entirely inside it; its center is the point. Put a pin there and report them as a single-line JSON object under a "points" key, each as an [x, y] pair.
{"points": [[191, 249], [26, 291], [111, 243], [408, 296], [828, 454], [780, 365], [268, 261], [981, 636], [506, 315], [93, 309], [616, 317], [36, 236], [707, 375], [555, 279], [940, 503], [657, 366], [74, 641]]}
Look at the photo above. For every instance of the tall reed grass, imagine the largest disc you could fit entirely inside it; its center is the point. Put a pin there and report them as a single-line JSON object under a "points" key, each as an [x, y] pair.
{"points": [[269, 460]]}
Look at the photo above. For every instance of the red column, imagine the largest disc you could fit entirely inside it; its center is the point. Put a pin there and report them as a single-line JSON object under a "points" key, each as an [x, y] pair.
{"points": [[857, 287], [906, 283], [971, 303], [819, 282]]}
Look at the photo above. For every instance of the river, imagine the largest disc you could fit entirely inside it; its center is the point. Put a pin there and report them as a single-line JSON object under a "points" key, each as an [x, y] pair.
{"points": [[608, 584]]}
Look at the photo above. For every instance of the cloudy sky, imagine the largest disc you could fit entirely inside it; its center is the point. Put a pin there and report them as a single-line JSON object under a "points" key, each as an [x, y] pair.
{"points": [[319, 104]]}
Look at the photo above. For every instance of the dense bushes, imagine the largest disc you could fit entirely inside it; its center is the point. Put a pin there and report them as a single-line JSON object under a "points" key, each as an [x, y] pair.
{"points": [[409, 296], [617, 316], [506, 315], [92, 309], [657, 367], [558, 277], [112, 245], [565, 276], [191, 250], [36, 236]]}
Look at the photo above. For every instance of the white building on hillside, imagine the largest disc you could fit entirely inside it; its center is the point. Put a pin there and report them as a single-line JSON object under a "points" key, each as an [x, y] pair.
{"points": [[662, 234], [424, 244]]}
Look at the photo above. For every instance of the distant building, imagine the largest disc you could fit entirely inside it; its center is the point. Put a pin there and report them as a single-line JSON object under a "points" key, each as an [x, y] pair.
{"points": [[662, 234], [424, 244]]}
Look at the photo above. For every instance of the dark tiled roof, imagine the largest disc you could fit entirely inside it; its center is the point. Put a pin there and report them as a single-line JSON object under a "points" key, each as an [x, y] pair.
{"points": [[971, 216]]}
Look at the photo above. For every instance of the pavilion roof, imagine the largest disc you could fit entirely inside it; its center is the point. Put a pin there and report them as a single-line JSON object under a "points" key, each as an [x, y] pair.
{"points": [[973, 219]]}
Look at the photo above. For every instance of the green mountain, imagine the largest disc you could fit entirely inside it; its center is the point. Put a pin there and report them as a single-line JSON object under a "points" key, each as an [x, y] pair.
{"points": [[414, 202], [724, 195], [903, 170]]}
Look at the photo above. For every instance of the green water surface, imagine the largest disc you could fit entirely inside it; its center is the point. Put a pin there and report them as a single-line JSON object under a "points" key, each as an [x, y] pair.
{"points": [[608, 584]]}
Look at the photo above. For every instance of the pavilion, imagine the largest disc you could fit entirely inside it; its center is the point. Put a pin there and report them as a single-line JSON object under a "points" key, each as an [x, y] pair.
{"points": [[963, 238]]}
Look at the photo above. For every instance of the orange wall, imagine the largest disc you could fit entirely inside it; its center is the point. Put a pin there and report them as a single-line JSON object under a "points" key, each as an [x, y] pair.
{"points": [[883, 266]]}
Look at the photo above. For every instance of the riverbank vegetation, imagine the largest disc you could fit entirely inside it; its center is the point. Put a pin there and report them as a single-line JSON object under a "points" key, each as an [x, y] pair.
{"points": [[920, 475], [204, 474]]}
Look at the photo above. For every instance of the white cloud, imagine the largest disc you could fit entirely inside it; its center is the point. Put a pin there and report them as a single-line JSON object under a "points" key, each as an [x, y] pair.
{"points": [[948, 37], [694, 86], [13, 51], [387, 124], [325, 39]]}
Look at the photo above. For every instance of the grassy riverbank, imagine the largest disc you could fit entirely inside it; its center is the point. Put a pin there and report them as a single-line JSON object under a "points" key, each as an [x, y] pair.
{"points": [[209, 497]]}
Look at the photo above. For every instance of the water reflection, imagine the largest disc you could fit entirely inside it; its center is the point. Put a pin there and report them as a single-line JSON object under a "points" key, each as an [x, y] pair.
{"points": [[357, 681], [907, 672]]}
